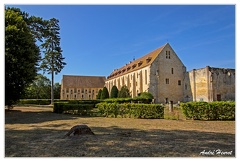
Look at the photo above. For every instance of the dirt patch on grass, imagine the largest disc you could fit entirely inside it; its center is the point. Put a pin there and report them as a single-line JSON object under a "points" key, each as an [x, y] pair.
{"points": [[37, 132]]}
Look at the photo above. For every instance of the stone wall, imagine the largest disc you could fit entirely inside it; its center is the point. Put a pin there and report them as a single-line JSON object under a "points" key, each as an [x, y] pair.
{"points": [[223, 83], [79, 93], [167, 77], [136, 81], [209, 84]]}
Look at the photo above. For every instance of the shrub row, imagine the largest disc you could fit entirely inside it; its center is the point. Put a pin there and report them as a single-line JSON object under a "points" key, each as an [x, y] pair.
{"points": [[209, 111], [35, 101], [80, 109], [138, 99], [94, 102], [145, 111], [48, 101]]}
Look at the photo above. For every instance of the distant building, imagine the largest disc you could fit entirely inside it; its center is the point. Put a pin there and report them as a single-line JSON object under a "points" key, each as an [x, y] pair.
{"points": [[161, 73], [81, 87]]}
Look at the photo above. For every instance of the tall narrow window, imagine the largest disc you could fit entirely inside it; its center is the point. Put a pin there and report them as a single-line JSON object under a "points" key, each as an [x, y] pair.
{"points": [[167, 54], [179, 82], [145, 76], [172, 70], [167, 80]]}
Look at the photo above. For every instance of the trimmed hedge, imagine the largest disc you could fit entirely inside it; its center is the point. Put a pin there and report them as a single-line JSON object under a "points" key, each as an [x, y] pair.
{"points": [[94, 102], [35, 101], [219, 110], [144, 111], [80, 109], [137, 99], [48, 101]]}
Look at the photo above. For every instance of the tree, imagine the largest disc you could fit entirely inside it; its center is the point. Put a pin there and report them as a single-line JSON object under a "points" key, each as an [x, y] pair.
{"points": [[21, 56], [105, 93], [53, 59], [114, 92], [99, 94], [124, 92], [39, 89], [57, 90]]}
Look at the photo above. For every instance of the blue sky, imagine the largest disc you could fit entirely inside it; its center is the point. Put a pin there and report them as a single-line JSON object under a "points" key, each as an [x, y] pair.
{"points": [[96, 39]]}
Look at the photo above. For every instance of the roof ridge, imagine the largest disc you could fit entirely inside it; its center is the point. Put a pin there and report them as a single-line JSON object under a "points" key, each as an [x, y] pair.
{"points": [[84, 76], [130, 67]]}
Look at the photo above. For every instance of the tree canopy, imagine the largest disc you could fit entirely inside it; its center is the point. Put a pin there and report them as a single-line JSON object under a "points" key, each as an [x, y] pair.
{"points": [[53, 61], [39, 89], [21, 56]]}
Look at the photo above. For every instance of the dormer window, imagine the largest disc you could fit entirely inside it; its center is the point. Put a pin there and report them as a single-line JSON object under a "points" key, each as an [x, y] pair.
{"points": [[129, 68], [134, 65], [148, 59], [140, 63]]}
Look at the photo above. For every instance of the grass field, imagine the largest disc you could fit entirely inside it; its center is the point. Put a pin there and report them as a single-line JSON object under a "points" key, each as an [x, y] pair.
{"points": [[37, 132]]}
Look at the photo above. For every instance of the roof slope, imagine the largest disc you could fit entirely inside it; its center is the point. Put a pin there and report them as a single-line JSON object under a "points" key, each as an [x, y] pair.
{"points": [[137, 64], [70, 81]]}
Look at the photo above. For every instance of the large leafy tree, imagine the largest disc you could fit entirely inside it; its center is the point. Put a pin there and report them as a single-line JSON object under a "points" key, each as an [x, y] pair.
{"points": [[114, 92], [39, 89], [21, 55], [53, 61]]}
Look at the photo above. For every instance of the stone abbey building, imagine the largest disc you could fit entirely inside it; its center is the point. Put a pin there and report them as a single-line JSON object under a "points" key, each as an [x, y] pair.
{"points": [[162, 73], [81, 87]]}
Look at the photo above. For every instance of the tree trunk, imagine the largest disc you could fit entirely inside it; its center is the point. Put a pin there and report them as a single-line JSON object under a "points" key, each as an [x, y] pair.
{"points": [[52, 90]]}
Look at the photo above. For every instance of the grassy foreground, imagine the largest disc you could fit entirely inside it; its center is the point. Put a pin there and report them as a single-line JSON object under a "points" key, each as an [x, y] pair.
{"points": [[37, 132]]}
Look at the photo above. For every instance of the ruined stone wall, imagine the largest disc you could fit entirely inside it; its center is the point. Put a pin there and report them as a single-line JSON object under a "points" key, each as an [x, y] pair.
{"points": [[223, 83], [209, 84], [198, 84]]}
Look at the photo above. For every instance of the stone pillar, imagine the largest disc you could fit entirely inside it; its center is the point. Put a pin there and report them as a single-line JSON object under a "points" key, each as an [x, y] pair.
{"points": [[171, 106]]}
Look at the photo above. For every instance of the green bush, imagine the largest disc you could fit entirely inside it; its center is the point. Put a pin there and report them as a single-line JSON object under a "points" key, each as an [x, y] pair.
{"points": [[94, 102], [137, 99], [114, 92], [35, 101], [219, 110], [118, 100], [80, 109], [145, 111]]}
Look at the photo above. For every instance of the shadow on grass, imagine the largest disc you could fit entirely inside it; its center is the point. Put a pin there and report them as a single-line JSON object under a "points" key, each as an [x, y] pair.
{"points": [[117, 142], [22, 117]]}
